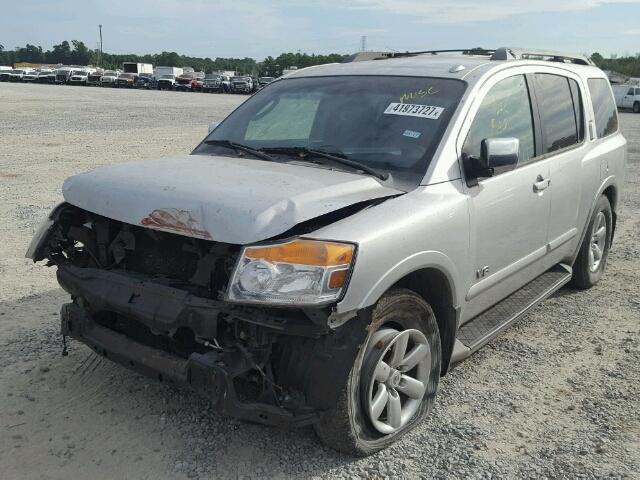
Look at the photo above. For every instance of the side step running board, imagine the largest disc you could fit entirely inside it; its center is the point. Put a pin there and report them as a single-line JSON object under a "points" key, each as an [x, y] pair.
{"points": [[482, 329]]}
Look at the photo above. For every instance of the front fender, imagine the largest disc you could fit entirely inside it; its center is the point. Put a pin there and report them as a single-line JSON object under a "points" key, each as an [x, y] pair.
{"points": [[417, 261]]}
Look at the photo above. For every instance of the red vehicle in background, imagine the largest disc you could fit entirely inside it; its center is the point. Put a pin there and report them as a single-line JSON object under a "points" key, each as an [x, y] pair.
{"points": [[190, 82]]}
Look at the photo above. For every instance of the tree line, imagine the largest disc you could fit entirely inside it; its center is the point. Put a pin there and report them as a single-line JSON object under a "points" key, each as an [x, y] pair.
{"points": [[77, 53], [628, 66]]}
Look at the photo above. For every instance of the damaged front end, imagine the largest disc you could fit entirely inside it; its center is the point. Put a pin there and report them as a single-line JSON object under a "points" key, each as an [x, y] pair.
{"points": [[156, 302]]}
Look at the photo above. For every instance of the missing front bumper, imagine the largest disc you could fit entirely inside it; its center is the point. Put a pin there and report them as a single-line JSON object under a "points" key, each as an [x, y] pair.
{"points": [[211, 374]]}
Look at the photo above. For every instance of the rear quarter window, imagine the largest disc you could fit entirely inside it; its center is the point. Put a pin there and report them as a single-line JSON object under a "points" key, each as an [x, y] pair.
{"points": [[604, 107]]}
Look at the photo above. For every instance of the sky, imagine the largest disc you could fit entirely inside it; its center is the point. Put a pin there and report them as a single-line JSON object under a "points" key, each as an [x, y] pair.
{"points": [[253, 28]]}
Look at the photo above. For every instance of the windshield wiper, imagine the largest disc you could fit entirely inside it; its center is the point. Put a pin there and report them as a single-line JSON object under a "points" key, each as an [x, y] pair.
{"points": [[340, 158], [243, 148]]}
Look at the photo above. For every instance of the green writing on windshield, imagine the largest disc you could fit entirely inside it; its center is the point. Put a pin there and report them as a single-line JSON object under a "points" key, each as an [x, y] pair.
{"points": [[423, 92]]}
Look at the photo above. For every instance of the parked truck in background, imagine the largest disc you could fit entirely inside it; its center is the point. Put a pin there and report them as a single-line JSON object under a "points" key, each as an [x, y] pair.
{"points": [[166, 77], [627, 96], [94, 77], [63, 75], [160, 71], [79, 77], [109, 78], [137, 68], [190, 82]]}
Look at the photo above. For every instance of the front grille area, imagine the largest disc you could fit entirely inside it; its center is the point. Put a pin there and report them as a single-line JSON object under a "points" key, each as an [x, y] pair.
{"points": [[202, 267]]}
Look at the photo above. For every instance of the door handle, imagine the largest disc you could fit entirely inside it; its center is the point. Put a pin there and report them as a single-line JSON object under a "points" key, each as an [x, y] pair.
{"points": [[541, 184]]}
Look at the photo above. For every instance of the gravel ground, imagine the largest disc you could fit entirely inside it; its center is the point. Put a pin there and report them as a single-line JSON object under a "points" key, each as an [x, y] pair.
{"points": [[556, 396]]}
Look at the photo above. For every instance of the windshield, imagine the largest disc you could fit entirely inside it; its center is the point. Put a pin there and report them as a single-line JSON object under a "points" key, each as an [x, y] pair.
{"points": [[239, 79], [127, 75], [389, 123], [170, 77], [109, 74]]}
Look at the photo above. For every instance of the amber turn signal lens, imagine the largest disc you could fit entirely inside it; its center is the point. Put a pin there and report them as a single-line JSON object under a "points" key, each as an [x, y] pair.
{"points": [[337, 279], [305, 252]]}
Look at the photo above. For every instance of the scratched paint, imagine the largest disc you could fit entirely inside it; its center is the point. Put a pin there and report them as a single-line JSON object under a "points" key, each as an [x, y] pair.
{"points": [[173, 219]]}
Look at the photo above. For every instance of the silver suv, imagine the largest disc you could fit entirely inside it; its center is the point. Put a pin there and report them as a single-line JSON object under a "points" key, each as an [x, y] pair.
{"points": [[346, 235]]}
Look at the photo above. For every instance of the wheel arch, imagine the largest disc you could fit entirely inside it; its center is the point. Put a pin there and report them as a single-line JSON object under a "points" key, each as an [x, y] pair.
{"points": [[611, 192], [433, 276], [434, 286]]}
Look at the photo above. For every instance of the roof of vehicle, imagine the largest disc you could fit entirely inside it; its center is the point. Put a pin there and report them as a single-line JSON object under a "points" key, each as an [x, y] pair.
{"points": [[443, 64]]}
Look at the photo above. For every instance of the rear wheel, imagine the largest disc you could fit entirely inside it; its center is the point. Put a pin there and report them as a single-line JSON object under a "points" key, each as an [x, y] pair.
{"points": [[392, 384], [592, 258]]}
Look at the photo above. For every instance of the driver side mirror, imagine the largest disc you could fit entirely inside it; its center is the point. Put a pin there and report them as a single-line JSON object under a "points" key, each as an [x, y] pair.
{"points": [[213, 126], [495, 153]]}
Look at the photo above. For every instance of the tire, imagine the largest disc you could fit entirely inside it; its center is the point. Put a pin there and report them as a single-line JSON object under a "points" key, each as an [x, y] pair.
{"points": [[636, 107], [589, 267], [348, 427]]}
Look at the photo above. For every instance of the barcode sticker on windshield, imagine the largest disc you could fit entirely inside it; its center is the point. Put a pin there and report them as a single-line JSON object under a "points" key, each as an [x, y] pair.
{"points": [[411, 110]]}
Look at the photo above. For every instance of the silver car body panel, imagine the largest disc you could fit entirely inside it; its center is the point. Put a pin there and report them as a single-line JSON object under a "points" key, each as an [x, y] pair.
{"points": [[230, 200], [490, 213], [501, 224]]}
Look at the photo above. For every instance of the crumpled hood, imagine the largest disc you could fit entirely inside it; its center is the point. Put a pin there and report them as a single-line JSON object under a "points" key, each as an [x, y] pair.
{"points": [[230, 200]]}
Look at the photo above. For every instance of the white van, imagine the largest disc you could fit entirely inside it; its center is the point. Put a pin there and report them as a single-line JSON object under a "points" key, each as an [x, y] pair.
{"points": [[627, 96]]}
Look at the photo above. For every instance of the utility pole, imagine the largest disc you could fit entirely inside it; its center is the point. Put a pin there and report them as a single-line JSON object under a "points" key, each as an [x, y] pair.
{"points": [[100, 56], [363, 43]]}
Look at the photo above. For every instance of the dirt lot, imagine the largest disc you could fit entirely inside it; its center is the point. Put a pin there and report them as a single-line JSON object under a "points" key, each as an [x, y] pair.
{"points": [[556, 396]]}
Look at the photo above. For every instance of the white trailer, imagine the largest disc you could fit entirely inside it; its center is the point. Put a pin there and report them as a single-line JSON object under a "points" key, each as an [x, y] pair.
{"points": [[137, 68], [161, 71]]}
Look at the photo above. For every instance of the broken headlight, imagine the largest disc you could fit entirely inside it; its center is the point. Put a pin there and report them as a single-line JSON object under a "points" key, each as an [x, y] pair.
{"points": [[299, 272]]}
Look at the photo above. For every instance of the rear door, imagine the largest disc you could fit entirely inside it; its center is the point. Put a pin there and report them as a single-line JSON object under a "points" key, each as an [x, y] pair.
{"points": [[562, 128]]}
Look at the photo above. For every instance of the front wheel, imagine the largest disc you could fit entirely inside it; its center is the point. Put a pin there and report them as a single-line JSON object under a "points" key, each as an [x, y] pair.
{"points": [[592, 257], [636, 107], [393, 382]]}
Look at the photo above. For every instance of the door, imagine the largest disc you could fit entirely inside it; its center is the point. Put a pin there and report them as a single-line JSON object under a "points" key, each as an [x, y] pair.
{"points": [[627, 100], [509, 211], [561, 114]]}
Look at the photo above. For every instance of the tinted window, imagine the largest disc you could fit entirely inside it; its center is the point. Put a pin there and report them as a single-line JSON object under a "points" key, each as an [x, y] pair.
{"points": [[604, 108], [557, 113], [504, 112], [630, 92], [577, 107]]}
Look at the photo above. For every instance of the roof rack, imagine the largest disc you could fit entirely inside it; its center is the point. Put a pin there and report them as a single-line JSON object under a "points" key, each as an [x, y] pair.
{"points": [[502, 53], [463, 51], [505, 53]]}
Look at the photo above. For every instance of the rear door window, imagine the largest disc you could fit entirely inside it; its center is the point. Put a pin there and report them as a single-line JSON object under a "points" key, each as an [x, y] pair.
{"points": [[604, 107], [557, 112]]}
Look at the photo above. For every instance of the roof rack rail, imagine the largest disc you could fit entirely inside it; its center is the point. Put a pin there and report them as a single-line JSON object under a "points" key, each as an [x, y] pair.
{"points": [[506, 53], [464, 51]]}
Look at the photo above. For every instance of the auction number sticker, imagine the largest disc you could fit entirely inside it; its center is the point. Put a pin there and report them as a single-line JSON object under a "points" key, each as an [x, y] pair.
{"points": [[411, 110]]}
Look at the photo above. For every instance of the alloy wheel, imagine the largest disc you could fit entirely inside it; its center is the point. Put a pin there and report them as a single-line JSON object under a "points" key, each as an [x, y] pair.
{"points": [[399, 363], [598, 241]]}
